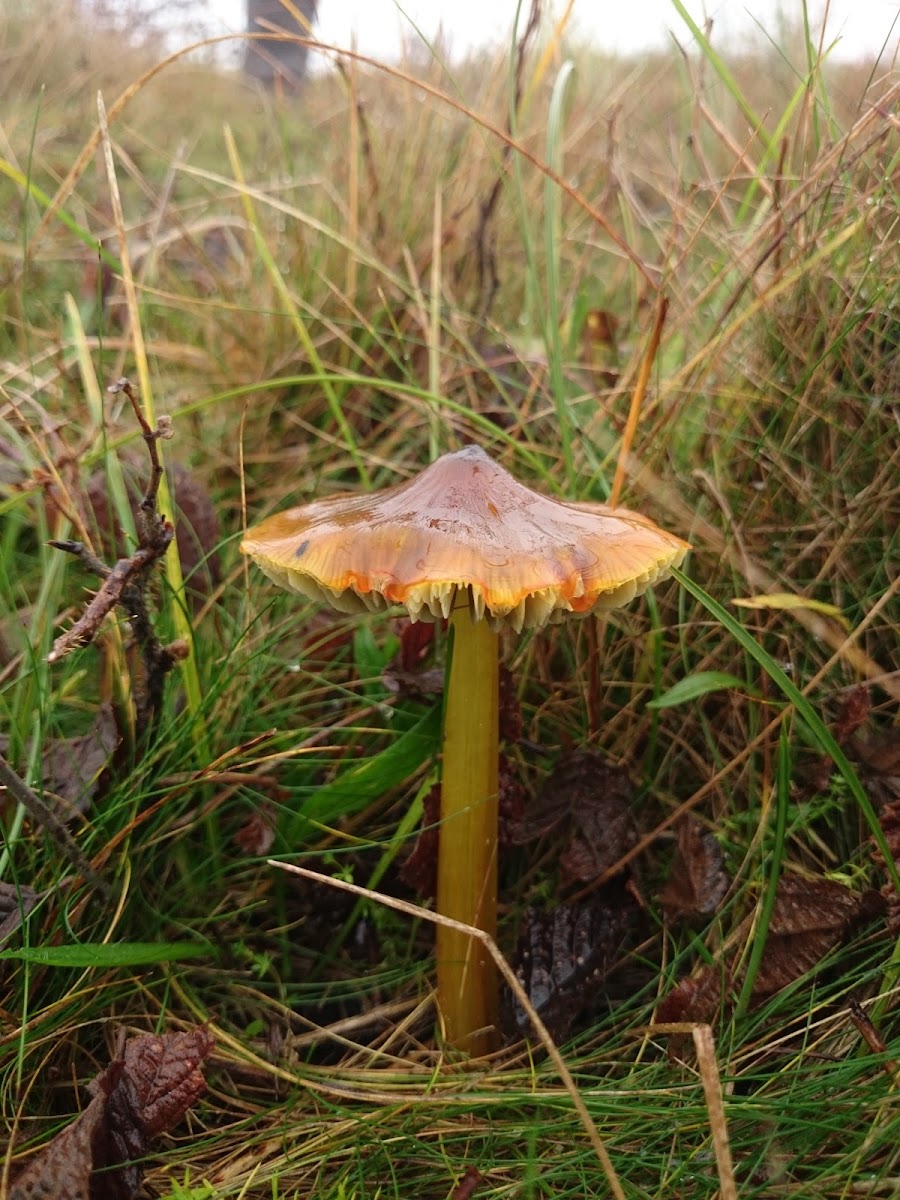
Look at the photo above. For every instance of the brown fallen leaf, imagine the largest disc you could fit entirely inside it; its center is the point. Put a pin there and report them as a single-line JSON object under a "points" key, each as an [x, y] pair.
{"points": [[510, 714], [197, 532], [470, 1180], [139, 1096], [62, 1170], [696, 999], [590, 800], [414, 685], [419, 872], [599, 349], [72, 767], [890, 825], [810, 917], [852, 714], [163, 1077], [879, 765], [563, 956], [698, 879], [16, 902], [511, 800], [416, 640], [257, 834]]}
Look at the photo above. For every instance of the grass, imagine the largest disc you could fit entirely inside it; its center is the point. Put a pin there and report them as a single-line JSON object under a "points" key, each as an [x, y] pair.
{"points": [[325, 303]]}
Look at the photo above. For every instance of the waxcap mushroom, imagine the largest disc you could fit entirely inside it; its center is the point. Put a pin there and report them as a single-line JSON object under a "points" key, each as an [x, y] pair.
{"points": [[464, 524]]}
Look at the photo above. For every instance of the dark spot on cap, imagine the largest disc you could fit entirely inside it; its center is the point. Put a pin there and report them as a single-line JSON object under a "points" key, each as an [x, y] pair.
{"points": [[302, 548]]}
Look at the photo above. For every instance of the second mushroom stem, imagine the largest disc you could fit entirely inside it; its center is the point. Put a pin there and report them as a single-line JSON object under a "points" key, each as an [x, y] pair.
{"points": [[468, 986]]}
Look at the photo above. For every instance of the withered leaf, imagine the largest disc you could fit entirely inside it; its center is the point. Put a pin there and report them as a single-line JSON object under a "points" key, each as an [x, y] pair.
{"points": [[470, 1180], [696, 999], [197, 531], [163, 1078], [62, 1170], [589, 799], [890, 826], [15, 905], [419, 872], [562, 957], [257, 835], [416, 640], [879, 769], [414, 685], [510, 714], [511, 797], [853, 713], [810, 917], [139, 1096], [73, 766], [698, 880]]}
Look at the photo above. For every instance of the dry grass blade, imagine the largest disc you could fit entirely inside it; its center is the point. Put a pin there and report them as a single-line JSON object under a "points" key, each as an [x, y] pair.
{"points": [[712, 1091]]}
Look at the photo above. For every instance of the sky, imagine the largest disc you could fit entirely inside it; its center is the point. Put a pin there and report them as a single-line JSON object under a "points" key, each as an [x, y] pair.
{"points": [[625, 26]]}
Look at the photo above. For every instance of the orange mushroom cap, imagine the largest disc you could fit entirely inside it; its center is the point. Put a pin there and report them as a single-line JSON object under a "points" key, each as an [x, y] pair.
{"points": [[464, 525]]}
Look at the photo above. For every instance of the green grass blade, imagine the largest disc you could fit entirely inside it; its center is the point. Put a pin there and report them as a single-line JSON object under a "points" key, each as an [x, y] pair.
{"points": [[107, 954], [721, 69], [817, 727], [366, 781], [767, 903]]}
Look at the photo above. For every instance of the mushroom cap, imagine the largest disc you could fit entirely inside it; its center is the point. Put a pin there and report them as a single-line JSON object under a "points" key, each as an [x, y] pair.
{"points": [[464, 525]]}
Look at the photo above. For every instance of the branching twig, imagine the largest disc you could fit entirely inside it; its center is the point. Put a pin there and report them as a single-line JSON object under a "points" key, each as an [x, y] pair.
{"points": [[125, 584]]}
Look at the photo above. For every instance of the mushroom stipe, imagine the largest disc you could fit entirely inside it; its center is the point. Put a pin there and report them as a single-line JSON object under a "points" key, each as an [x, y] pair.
{"points": [[466, 541]]}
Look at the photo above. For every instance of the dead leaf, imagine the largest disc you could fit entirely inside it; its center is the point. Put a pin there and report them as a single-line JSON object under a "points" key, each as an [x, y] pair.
{"points": [[810, 917], [890, 827], [197, 531], [72, 767], [62, 1170], [16, 902], [163, 1077], [139, 1096], [470, 1180], [852, 714], [419, 872], [416, 640], [563, 956], [510, 715], [698, 880], [695, 1000], [511, 800], [414, 685], [257, 835], [589, 799], [406, 675], [879, 766], [599, 349]]}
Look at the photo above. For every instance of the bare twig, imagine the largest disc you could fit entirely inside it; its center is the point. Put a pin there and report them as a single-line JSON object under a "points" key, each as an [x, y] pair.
{"points": [[125, 584], [117, 581]]}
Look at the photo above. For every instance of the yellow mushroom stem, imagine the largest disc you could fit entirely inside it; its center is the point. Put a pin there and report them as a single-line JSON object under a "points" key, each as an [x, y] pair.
{"points": [[468, 985]]}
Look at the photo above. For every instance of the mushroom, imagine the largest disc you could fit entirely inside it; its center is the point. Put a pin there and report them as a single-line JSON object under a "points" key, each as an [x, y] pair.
{"points": [[466, 541]]}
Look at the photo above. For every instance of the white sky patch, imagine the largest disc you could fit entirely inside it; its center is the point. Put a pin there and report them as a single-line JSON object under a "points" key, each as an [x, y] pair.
{"points": [[860, 28]]}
